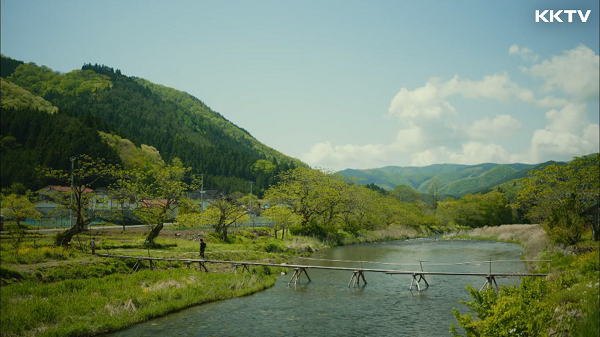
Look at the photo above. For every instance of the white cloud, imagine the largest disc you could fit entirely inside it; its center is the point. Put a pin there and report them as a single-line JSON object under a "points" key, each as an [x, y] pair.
{"points": [[429, 103], [574, 73], [572, 118], [431, 130], [471, 153], [347, 156], [502, 126], [525, 53], [425, 103], [568, 133]]}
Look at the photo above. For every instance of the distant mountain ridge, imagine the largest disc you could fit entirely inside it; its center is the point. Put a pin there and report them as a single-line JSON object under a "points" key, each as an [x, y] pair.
{"points": [[452, 179]]}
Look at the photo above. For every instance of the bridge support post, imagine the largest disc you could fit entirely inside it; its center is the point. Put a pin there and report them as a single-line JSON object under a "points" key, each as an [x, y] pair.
{"points": [[296, 275], [355, 279], [136, 266], [243, 265], [416, 281], [490, 281]]}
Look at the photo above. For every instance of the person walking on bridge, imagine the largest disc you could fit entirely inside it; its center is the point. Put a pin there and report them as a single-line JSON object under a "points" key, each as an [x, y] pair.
{"points": [[202, 248]]}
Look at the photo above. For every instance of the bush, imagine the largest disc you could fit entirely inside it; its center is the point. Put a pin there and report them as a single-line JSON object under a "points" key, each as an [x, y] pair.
{"points": [[273, 247], [565, 226], [310, 229], [10, 274], [513, 312]]}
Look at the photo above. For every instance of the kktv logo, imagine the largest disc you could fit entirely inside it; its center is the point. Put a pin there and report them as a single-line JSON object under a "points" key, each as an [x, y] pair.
{"points": [[555, 15]]}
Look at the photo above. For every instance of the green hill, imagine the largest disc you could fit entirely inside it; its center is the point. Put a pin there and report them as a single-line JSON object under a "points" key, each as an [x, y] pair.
{"points": [[452, 179], [476, 183], [175, 123]]}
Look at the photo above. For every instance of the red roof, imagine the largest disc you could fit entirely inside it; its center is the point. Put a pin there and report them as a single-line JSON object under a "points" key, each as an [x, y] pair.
{"points": [[147, 203], [62, 188]]}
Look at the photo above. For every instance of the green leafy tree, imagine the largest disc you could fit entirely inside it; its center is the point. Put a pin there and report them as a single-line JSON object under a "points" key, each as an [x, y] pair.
{"points": [[359, 208], [548, 193], [433, 192], [158, 191], [282, 218], [224, 212], [18, 208], [85, 174], [459, 213], [312, 194], [406, 193], [564, 225]]}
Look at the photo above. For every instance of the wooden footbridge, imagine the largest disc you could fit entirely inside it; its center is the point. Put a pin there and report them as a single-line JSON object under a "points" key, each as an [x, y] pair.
{"points": [[357, 273]]}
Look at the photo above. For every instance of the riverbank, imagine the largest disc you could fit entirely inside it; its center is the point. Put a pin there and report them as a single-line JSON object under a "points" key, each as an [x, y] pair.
{"points": [[50, 291], [91, 306], [566, 303]]}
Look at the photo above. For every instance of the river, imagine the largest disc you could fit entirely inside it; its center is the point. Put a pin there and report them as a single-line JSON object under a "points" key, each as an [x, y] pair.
{"points": [[327, 307]]}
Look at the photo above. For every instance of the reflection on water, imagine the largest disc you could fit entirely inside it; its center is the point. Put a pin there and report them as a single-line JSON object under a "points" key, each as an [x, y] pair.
{"points": [[327, 307]]}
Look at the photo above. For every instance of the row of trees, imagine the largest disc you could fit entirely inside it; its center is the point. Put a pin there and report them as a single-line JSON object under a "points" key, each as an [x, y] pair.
{"points": [[319, 203], [558, 195]]}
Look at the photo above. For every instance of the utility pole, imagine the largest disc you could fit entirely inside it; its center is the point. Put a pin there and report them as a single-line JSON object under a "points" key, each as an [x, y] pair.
{"points": [[250, 214], [72, 187], [202, 192], [202, 199]]}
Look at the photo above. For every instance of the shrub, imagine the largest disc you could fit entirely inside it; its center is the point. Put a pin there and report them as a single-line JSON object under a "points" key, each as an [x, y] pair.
{"points": [[564, 226], [310, 229], [9, 274]]}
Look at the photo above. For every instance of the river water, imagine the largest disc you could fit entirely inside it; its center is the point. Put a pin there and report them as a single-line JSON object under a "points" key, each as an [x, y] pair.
{"points": [[327, 307]]}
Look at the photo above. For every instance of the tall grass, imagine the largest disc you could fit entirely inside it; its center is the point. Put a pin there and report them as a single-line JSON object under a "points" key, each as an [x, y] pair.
{"points": [[383, 234], [531, 237], [99, 305]]}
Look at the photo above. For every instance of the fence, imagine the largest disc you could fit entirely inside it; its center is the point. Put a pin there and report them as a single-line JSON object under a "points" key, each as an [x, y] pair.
{"points": [[53, 222]]}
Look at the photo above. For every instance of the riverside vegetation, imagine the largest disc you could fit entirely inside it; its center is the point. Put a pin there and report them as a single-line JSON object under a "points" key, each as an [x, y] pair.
{"points": [[55, 291], [152, 146], [309, 209], [566, 303]]}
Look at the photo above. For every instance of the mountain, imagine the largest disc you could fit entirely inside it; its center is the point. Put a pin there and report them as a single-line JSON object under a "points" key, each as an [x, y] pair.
{"points": [[451, 179], [102, 99]]}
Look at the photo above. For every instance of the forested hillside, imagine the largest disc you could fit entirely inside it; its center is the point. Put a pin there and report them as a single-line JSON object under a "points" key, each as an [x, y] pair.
{"points": [[99, 98], [447, 179]]}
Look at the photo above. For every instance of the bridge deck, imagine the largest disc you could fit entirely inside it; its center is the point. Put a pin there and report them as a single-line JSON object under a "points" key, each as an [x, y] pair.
{"points": [[294, 266]]}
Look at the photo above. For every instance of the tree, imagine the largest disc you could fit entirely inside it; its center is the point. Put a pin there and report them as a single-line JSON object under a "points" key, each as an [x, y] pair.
{"points": [[358, 211], [224, 212], [85, 174], [312, 194], [18, 208], [406, 193], [282, 218], [158, 191], [434, 191], [565, 226], [121, 196], [548, 192], [459, 212]]}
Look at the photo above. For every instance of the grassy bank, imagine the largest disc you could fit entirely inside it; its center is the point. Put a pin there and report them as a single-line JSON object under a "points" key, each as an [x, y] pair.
{"points": [[385, 234], [80, 307], [55, 291], [566, 303], [531, 237]]}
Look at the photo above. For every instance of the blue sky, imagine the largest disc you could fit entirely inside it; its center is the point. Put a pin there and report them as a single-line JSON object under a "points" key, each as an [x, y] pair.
{"points": [[348, 84]]}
